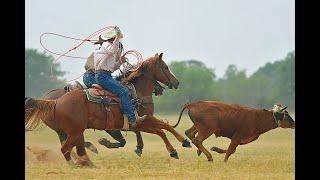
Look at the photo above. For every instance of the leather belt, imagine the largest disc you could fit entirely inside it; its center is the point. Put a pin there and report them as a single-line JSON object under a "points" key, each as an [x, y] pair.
{"points": [[101, 70]]}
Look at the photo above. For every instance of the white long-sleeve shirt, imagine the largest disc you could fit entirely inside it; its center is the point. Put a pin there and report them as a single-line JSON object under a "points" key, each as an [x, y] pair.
{"points": [[106, 58]]}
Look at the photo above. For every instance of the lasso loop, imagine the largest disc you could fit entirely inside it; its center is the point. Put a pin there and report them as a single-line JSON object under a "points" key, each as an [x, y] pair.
{"points": [[123, 58], [87, 39], [67, 37], [134, 53]]}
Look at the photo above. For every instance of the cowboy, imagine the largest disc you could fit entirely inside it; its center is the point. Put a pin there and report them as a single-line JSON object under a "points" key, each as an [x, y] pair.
{"points": [[106, 61], [89, 75]]}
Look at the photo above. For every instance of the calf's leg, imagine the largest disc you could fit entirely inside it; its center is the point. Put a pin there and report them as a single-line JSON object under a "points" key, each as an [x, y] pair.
{"points": [[232, 148], [197, 141], [191, 132]]}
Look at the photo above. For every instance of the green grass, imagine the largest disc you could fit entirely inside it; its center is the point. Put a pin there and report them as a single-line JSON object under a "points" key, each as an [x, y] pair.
{"points": [[269, 157]]}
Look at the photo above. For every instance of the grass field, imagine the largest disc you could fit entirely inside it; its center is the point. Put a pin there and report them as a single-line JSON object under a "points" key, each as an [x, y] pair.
{"points": [[269, 157]]}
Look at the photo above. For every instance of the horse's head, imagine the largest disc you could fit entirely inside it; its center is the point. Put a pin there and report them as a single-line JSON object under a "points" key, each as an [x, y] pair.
{"points": [[160, 71]]}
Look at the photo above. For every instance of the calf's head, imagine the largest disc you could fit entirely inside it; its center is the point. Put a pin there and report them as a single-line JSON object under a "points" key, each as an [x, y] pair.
{"points": [[284, 119]]}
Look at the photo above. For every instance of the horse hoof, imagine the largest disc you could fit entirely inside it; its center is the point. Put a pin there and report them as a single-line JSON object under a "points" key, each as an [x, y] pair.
{"points": [[186, 143], [138, 151], [91, 147], [174, 154], [199, 152], [210, 160], [108, 144]]}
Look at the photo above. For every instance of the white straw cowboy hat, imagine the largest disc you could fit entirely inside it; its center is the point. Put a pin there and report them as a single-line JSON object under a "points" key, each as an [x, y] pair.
{"points": [[110, 34]]}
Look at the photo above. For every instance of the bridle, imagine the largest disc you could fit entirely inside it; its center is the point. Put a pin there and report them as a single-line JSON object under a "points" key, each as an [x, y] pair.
{"points": [[143, 100], [165, 74]]}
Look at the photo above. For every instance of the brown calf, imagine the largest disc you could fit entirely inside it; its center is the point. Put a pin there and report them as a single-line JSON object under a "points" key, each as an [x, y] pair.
{"points": [[239, 123]]}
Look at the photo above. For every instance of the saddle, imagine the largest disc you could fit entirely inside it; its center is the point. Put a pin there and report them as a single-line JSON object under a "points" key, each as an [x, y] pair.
{"points": [[99, 95], [70, 87]]}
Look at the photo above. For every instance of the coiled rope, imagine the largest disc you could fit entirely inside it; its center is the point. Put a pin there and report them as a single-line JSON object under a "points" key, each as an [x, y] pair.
{"points": [[123, 58]]}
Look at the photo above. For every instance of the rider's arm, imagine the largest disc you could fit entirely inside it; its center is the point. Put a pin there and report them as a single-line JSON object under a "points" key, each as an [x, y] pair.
{"points": [[123, 69]]}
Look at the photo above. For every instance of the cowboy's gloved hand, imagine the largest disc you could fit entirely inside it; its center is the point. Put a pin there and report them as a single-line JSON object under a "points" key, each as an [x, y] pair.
{"points": [[117, 29]]}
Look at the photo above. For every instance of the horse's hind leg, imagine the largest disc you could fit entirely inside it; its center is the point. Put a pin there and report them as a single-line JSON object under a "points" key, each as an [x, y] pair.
{"points": [[62, 136], [81, 151], [115, 134], [68, 145], [218, 150]]}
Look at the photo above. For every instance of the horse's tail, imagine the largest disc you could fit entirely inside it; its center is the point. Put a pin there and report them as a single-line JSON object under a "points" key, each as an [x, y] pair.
{"points": [[37, 111], [184, 107]]}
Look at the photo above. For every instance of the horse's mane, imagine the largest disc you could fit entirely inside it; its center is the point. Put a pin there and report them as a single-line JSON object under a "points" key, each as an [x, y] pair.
{"points": [[135, 74]]}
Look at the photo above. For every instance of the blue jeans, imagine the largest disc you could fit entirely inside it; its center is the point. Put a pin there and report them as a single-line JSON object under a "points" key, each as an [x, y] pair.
{"points": [[89, 78], [105, 80]]}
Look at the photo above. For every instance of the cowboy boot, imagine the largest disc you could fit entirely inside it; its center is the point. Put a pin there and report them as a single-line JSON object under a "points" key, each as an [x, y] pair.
{"points": [[138, 121]]}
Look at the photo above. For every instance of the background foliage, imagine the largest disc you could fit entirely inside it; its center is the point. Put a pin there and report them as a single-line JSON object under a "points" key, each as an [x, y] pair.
{"points": [[38, 78], [274, 82], [271, 83]]}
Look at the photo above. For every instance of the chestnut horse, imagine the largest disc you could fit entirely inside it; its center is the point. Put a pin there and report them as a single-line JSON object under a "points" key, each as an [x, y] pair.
{"points": [[73, 113], [116, 134]]}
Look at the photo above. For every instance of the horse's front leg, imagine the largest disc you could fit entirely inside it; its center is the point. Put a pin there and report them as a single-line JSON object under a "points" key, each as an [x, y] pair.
{"points": [[139, 148], [184, 141], [159, 132]]}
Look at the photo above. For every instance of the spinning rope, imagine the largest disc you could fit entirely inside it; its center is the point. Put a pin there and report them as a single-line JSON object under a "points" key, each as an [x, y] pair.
{"points": [[123, 58]]}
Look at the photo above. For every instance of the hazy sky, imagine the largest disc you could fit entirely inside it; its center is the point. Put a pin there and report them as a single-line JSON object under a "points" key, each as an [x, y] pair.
{"points": [[247, 33]]}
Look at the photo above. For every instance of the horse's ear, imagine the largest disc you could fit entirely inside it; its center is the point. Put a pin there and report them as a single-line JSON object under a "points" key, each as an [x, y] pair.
{"points": [[156, 54], [160, 56]]}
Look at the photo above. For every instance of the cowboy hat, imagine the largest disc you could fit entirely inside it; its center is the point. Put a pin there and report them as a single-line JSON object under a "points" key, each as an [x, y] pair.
{"points": [[111, 34]]}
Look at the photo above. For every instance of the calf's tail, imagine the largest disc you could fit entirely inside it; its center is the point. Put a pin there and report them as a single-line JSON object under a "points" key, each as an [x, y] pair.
{"points": [[186, 106]]}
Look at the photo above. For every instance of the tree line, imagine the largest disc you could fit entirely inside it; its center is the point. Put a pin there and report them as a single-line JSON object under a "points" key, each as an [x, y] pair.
{"points": [[271, 83]]}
